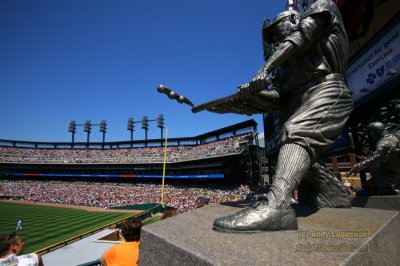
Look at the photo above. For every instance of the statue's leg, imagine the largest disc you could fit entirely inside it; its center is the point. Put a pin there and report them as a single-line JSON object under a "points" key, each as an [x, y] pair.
{"points": [[274, 214], [293, 164]]}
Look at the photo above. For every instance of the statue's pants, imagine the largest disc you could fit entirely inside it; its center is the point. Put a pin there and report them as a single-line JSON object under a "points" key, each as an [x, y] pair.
{"points": [[317, 115]]}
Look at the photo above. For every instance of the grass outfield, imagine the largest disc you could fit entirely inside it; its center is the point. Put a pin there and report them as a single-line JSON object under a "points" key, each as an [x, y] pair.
{"points": [[152, 220], [45, 226]]}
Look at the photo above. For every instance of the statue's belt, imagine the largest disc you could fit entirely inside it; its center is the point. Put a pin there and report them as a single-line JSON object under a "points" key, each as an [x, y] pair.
{"points": [[314, 82]]}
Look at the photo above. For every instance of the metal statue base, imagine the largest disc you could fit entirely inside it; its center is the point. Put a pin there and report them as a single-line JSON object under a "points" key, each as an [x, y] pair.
{"points": [[326, 236]]}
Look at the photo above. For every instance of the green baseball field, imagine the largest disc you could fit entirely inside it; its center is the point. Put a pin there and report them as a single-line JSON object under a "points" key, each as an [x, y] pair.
{"points": [[45, 226]]}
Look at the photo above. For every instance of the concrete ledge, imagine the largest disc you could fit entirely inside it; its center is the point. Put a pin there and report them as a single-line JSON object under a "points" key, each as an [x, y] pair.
{"points": [[389, 202], [325, 236]]}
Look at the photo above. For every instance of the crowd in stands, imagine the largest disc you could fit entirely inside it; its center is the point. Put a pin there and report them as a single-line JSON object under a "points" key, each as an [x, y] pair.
{"points": [[107, 195], [122, 156]]}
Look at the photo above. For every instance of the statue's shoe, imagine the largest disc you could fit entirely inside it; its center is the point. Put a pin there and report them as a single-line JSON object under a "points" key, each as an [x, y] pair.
{"points": [[257, 218]]}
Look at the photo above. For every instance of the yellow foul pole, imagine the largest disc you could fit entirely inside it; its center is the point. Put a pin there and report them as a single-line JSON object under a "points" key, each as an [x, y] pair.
{"points": [[165, 161]]}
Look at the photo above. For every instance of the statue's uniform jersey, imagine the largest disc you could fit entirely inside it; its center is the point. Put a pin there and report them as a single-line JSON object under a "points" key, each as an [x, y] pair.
{"points": [[319, 51]]}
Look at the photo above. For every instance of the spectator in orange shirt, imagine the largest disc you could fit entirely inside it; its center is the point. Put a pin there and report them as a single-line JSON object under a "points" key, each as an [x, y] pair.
{"points": [[127, 253]]}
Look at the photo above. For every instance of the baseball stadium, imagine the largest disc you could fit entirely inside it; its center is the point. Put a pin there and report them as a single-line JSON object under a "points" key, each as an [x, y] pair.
{"points": [[68, 200], [66, 192]]}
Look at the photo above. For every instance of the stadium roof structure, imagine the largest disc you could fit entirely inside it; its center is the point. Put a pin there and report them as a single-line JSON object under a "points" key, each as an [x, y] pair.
{"points": [[236, 129], [232, 128]]}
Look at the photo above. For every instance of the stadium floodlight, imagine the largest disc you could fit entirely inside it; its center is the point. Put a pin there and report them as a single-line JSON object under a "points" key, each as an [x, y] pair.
{"points": [[145, 122], [88, 128], [103, 126], [72, 126], [160, 124], [131, 128], [160, 121], [145, 126], [72, 129], [103, 129]]}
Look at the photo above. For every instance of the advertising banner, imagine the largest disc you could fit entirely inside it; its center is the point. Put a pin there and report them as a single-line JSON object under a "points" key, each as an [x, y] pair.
{"points": [[214, 176], [380, 64]]}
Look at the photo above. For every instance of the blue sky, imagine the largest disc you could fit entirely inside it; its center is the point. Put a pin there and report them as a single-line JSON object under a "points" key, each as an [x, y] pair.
{"points": [[93, 59]]}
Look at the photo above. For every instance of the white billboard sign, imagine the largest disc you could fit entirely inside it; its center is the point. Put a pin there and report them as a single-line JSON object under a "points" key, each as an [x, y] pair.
{"points": [[378, 65]]}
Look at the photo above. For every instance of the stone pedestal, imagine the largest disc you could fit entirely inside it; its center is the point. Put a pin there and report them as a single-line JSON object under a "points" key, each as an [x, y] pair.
{"points": [[389, 202], [356, 236]]}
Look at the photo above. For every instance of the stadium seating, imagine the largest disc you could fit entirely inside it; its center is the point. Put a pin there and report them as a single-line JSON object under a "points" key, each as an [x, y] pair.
{"points": [[121, 156]]}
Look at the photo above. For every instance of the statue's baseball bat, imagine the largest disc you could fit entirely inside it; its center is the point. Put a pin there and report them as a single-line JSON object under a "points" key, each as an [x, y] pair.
{"points": [[195, 109], [209, 104], [174, 95], [201, 107]]}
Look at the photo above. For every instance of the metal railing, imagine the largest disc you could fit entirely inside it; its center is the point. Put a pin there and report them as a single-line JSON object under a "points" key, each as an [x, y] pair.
{"points": [[142, 216], [79, 237]]}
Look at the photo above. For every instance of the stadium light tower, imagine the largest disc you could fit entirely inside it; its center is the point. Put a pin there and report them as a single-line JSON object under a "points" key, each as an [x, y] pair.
{"points": [[131, 128], [72, 129], [160, 124], [145, 126], [88, 130], [103, 129]]}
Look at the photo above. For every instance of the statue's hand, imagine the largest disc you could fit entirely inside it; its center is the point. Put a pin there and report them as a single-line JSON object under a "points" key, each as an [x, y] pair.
{"points": [[252, 88], [245, 90], [263, 72], [270, 95]]}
